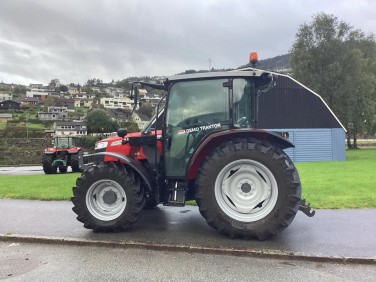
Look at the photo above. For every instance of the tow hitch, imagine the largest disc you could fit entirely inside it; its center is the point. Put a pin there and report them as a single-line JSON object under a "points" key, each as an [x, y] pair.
{"points": [[306, 208]]}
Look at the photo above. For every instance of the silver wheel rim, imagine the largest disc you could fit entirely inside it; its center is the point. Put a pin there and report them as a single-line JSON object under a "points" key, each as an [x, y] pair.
{"points": [[246, 190], [106, 200]]}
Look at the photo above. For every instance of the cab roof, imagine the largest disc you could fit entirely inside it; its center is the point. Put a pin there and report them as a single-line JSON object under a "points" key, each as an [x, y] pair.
{"points": [[204, 75]]}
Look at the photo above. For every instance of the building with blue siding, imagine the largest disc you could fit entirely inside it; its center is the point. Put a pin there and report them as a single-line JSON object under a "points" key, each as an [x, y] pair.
{"points": [[312, 126]]}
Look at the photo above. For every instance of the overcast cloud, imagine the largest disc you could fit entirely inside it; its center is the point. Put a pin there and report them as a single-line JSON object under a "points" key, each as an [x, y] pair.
{"points": [[75, 40]]}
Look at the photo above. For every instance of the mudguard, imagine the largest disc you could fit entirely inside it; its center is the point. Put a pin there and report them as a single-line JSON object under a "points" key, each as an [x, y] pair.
{"points": [[135, 164], [215, 139]]}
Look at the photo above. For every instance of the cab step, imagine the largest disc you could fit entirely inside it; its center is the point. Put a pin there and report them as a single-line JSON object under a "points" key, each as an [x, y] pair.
{"points": [[175, 194]]}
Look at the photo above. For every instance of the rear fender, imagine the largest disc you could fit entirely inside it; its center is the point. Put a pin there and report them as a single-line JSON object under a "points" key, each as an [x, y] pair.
{"points": [[214, 140], [74, 150], [135, 164]]}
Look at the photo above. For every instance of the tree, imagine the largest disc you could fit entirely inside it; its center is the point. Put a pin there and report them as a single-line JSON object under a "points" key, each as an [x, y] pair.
{"points": [[63, 88], [99, 121], [49, 102], [146, 109], [54, 83], [19, 90], [131, 126], [338, 62]]}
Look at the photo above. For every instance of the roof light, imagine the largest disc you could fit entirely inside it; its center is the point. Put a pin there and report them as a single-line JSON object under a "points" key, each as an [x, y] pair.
{"points": [[253, 58]]}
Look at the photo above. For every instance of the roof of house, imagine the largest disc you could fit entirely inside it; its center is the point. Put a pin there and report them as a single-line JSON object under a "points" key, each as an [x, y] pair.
{"points": [[29, 99], [5, 115], [143, 117], [9, 102], [59, 123]]}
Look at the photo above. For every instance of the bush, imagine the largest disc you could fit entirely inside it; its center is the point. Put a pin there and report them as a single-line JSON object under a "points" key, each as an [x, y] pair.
{"points": [[88, 142]]}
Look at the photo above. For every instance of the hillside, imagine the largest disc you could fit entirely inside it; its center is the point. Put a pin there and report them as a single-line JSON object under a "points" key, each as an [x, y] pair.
{"points": [[279, 64]]}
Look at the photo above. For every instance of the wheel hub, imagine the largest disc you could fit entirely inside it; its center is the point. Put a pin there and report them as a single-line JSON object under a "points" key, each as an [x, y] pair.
{"points": [[246, 187], [109, 197], [106, 199], [246, 190]]}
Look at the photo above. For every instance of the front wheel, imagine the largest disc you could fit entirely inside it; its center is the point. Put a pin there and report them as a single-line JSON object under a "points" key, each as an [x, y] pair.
{"points": [[248, 188], [108, 197], [75, 164]]}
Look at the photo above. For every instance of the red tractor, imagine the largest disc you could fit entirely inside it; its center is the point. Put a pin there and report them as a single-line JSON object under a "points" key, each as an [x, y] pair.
{"points": [[203, 145], [64, 153]]}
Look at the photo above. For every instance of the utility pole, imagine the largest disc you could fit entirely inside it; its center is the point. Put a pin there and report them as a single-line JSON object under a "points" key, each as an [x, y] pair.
{"points": [[27, 130], [209, 64]]}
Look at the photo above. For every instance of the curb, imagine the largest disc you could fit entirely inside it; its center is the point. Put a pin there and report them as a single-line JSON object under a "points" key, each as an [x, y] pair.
{"points": [[271, 254]]}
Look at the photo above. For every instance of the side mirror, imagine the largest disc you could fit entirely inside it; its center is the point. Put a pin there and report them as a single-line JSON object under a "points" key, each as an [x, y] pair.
{"points": [[121, 132]]}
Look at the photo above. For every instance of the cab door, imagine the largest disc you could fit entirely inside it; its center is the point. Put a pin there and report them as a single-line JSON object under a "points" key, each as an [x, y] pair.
{"points": [[194, 110]]}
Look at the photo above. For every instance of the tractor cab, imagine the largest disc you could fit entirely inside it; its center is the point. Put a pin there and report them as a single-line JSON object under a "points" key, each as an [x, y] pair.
{"points": [[63, 142]]}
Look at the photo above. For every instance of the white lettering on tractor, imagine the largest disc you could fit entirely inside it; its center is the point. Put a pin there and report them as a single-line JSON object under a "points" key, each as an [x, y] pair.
{"points": [[200, 128]]}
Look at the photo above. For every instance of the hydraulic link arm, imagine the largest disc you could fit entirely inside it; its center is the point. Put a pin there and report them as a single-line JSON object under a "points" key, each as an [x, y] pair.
{"points": [[306, 208]]}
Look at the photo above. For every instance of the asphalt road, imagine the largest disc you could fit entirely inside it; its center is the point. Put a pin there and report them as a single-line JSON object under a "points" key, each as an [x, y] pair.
{"points": [[41, 262], [336, 235], [23, 170]]}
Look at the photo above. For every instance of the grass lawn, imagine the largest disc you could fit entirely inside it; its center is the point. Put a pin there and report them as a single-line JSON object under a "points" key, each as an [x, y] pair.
{"points": [[332, 185], [348, 184], [38, 187]]}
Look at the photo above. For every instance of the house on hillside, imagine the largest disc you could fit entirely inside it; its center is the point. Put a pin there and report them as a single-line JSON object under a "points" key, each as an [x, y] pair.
{"points": [[85, 103], [141, 119], [119, 115], [39, 93], [114, 103], [27, 102], [5, 117], [9, 105], [70, 128], [6, 96], [62, 102], [7, 85], [54, 113], [36, 85]]}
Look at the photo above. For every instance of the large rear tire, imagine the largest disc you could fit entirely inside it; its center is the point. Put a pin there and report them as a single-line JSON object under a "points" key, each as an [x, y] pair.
{"points": [[151, 204], [247, 188], [108, 197], [75, 164], [47, 161]]}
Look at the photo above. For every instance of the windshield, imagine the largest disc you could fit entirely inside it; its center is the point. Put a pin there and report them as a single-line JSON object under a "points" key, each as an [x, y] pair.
{"points": [[64, 142]]}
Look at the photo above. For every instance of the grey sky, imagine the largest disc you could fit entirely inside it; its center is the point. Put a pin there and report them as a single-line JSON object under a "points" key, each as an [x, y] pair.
{"points": [[75, 40]]}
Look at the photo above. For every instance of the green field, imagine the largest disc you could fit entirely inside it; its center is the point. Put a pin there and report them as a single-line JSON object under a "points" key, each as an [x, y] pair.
{"points": [[348, 184], [333, 185]]}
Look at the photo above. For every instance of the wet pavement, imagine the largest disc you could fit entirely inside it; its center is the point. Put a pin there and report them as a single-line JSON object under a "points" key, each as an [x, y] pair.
{"points": [[21, 170], [338, 235]]}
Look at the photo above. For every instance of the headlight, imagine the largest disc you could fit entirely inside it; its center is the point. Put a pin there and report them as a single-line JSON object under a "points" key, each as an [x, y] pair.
{"points": [[100, 145]]}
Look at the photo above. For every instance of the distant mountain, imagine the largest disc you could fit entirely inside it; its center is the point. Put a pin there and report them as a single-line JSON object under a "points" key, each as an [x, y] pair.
{"points": [[278, 63]]}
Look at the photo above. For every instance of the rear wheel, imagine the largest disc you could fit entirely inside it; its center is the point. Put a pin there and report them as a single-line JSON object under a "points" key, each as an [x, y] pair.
{"points": [[47, 161], [108, 197], [75, 164], [248, 188]]}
